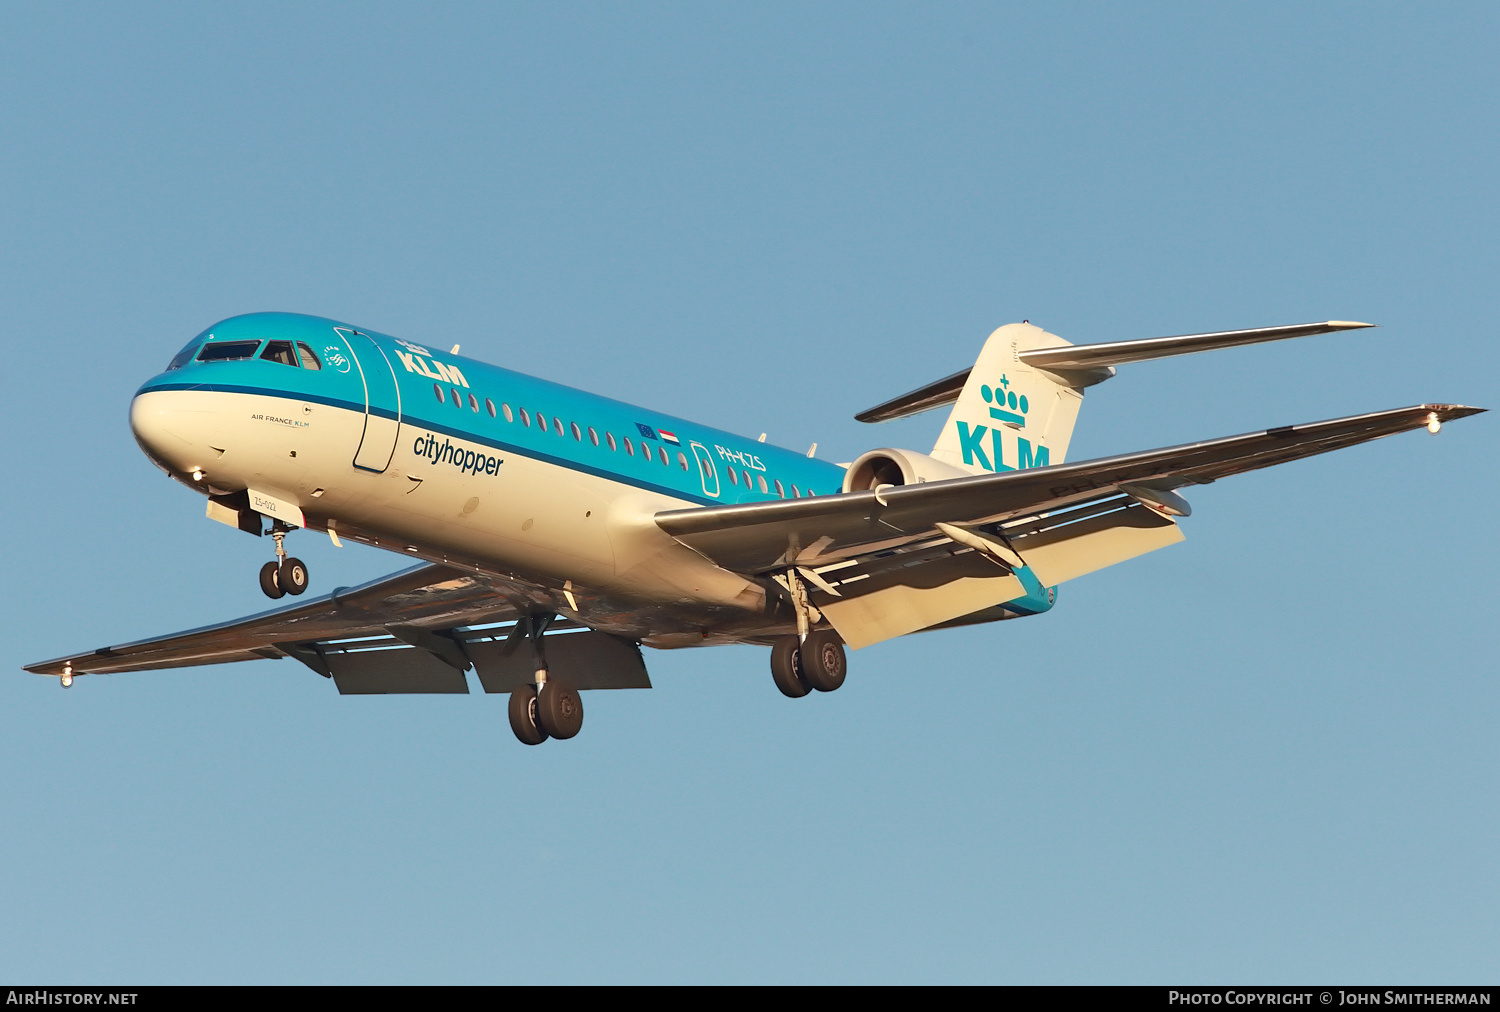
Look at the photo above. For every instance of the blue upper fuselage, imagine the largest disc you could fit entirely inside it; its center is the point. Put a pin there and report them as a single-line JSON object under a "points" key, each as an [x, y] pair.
{"points": [[309, 358]]}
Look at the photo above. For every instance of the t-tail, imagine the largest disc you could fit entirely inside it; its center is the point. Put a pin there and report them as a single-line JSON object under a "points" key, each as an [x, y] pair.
{"points": [[1016, 406]]}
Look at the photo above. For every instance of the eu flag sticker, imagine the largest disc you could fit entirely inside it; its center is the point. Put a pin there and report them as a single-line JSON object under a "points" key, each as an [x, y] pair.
{"points": [[646, 431]]}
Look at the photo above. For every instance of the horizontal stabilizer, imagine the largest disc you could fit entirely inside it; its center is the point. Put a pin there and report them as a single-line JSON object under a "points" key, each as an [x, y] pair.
{"points": [[933, 395], [1088, 362], [1100, 356]]}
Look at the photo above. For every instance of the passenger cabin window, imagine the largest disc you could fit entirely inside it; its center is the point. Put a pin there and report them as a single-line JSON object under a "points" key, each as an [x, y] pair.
{"points": [[525, 418], [609, 437], [474, 404], [442, 395], [578, 433], [780, 492], [629, 447], [457, 398], [309, 360], [505, 408], [761, 479], [228, 351], [489, 406], [682, 461], [280, 351], [734, 476]]}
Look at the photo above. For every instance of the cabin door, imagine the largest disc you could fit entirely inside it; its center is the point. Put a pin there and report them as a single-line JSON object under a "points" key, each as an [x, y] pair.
{"points": [[706, 471], [382, 402]]}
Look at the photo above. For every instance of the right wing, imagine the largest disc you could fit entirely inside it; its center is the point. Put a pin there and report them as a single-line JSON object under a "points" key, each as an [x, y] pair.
{"points": [[884, 563], [767, 536]]}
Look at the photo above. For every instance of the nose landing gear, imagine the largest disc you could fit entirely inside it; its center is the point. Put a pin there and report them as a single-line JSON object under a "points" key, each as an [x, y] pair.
{"points": [[286, 575]]}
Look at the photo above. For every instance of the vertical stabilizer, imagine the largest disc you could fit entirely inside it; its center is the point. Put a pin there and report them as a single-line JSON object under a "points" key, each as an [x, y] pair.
{"points": [[1010, 415]]}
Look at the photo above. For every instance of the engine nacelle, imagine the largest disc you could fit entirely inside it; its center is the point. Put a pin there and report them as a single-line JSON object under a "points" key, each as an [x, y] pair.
{"points": [[887, 466]]}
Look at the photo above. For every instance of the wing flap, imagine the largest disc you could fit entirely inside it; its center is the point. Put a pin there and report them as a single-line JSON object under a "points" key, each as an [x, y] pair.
{"points": [[1066, 553], [917, 597], [589, 660], [399, 670]]}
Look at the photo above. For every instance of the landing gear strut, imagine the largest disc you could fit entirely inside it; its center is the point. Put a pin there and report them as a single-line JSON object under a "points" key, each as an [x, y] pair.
{"points": [[286, 575], [546, 707], [817, 662]]}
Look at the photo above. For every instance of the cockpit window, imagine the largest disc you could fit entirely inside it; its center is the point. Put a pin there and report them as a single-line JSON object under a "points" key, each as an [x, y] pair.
{"points": [[280, 351], [184, 356], [228, 351], [309, 360]]}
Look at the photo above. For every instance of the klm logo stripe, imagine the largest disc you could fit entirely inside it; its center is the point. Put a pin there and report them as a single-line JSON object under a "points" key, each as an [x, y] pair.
{"points": [[972, 444], [1003, 399], [1026, 458], [443, 374], [1009, 408]]}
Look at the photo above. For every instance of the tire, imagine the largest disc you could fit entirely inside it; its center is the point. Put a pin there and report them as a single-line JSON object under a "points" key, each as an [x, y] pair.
{"points": [[786, 668], [823, 662], [269, 583], [292, 576], [559, 710], [523, 715]]}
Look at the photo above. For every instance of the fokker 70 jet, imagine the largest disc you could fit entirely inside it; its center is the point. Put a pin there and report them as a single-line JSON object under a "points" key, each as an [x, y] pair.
{"points": [[559, 531]]}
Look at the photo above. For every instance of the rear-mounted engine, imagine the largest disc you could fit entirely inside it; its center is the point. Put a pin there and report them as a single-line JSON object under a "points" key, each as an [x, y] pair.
{"points": [[888, 466]]}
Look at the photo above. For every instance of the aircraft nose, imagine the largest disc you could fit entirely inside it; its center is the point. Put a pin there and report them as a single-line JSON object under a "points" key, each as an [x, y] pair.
{"points": [[173, 431]]}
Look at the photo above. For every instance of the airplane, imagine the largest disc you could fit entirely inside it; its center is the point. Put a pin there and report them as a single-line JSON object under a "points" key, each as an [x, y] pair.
{"points": [[559, 531]]}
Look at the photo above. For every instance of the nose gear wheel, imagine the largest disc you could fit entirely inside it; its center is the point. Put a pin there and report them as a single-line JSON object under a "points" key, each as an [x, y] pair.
{"points": [[286, 575], [270, 582]]}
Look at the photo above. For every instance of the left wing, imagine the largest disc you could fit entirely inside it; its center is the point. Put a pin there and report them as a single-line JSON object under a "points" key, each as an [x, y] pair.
{"points": [[426, 596], [418, 630], [413, 631]]}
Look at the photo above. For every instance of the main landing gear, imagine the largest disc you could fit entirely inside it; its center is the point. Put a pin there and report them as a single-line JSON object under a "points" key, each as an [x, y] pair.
{"points": [[547, 707], [817, 662], [286, 575], [555, 711]]}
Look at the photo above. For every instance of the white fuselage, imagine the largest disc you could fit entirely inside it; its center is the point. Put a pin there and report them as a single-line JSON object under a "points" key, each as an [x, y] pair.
{"points": [[577, 543]]}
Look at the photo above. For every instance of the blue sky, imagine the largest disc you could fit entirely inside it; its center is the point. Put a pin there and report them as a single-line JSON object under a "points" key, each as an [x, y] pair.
{"points": [[1266, 754]]}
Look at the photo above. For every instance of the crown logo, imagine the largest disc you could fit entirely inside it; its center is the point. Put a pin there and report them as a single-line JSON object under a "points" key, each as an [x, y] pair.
{"points": [[1005, 405]]}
